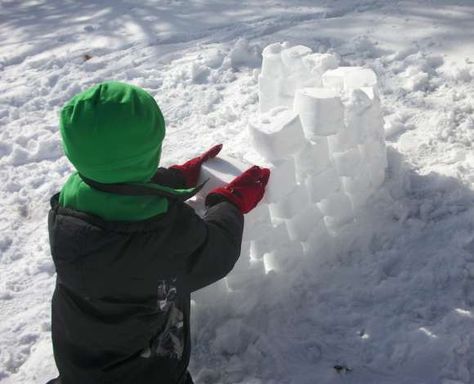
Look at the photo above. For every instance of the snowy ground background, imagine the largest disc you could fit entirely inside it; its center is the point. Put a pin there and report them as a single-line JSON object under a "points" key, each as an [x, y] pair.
{"points": [[395, 302]]}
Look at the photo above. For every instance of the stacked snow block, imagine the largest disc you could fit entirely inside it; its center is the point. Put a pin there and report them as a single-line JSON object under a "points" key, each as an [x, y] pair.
{"points": [[320, 128], [320, 131], [286, 69]]}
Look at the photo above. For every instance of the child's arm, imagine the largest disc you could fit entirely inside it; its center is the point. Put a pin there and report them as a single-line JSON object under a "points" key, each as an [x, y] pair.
{"points": [[221, 235], [169, 177], [185, 175], [222, 227]]}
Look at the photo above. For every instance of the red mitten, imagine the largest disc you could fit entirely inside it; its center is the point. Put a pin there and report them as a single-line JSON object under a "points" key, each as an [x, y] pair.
{"points": [[246, 190], [190, 170]]}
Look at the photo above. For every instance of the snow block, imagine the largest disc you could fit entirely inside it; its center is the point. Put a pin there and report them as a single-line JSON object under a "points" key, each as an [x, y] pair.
{"points": [[297, 75], [372, 93], [241, 279], [347, 163], [278, 134], [312, 159], [318, 63], [338, 206], [292, 59], [257, 222], [283, 258], [375, 123], [345, 139], [270, 93], [357, 102], [369, 177], [272, 64], [349, 77], [374, 152], [377, 175], [216, 292], [275, 237], [321, 111], [323, 184], [363, 116], [282, 181], [301, 226], [335, 225], [296, 201], [358, 198], [359, 182], [219, 171], [320, 241], [259, 247], [244, 255]]}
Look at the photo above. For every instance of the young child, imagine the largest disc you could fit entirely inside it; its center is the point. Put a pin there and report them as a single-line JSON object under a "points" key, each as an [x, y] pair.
{"points": [[128, 250]]}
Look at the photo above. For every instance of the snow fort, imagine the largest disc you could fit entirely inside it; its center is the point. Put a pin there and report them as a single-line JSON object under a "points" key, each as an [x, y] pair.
{"points": [[320, 130]]}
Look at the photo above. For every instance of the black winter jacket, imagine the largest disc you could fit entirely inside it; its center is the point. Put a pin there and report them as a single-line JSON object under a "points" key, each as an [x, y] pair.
{"points": [[120, 310]]}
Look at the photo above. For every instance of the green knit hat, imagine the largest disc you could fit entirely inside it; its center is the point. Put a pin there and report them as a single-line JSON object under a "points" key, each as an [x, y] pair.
{"points": [[113, 132]]}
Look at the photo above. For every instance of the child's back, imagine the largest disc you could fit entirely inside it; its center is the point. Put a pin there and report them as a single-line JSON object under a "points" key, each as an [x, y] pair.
{"points": [[128, 251], [121, 304]]}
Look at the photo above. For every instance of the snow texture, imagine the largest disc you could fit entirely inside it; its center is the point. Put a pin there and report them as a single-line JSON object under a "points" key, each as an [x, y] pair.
{"points": [[386, 291]]}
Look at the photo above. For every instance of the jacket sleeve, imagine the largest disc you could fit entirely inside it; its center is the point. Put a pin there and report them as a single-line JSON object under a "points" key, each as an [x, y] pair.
{"points": [[169, 177], [218, 247]]}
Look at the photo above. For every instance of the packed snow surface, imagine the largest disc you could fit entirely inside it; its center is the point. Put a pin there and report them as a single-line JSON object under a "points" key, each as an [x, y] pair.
{"points": [[358, 266]]}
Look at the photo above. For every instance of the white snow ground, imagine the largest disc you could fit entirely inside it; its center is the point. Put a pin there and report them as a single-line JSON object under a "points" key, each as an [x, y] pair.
{"points": [[394, 302]]}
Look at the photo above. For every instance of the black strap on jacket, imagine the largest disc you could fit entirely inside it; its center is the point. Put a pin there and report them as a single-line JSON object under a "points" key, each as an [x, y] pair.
{"points": [[143, 189]]}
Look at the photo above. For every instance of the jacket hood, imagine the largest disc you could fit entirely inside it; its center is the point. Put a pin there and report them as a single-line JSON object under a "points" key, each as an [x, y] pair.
{"points": [[113, 133]]}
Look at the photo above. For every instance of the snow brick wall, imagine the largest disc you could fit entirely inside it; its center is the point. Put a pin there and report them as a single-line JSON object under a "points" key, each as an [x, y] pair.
{"points": [[320, 130]]}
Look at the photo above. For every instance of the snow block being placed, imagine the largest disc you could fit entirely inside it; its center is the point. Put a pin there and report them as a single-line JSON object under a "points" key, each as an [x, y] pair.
{"points": [[277, 134], [321, 111], [218, 172]]}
